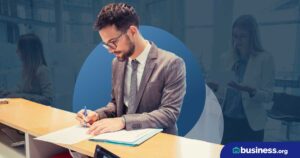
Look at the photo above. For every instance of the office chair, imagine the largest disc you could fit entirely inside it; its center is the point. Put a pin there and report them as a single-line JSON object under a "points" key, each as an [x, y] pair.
{"points": [[286, 109]]}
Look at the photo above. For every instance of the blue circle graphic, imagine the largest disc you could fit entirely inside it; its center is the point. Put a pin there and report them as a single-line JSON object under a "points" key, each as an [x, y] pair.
{"points": [[93, 84]]}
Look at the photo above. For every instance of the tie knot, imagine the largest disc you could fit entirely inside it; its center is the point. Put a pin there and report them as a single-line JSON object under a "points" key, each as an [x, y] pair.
{"points": [[134, 64]]}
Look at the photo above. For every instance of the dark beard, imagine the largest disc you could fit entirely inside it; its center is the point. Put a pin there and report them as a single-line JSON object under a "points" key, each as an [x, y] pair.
{"points": [[129, 53]]}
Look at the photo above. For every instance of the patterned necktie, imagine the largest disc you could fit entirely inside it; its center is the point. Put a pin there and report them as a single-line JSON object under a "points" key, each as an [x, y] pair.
{"points": [[133, 83]]}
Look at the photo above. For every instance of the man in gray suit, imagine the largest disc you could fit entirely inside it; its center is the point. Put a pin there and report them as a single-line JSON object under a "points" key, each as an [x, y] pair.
{"points": [[148, 83]]}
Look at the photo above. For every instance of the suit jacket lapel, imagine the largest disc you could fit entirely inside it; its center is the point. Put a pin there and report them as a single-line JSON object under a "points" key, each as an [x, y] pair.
{"points": [[120, 77], [149, 67]]}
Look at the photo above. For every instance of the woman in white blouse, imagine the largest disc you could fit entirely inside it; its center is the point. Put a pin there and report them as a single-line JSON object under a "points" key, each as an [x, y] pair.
{"points": [[251, 84]]}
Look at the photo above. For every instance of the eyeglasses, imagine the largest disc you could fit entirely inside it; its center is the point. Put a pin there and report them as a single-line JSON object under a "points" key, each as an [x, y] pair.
{"points": [[112, 43]]}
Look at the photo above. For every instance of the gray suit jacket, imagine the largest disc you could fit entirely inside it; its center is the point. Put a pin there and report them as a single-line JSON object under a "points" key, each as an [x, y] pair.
{"points": [[160, 95]]}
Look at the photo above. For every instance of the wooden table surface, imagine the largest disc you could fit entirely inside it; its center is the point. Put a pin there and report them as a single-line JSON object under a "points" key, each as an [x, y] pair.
{"points": [[37, 120]]}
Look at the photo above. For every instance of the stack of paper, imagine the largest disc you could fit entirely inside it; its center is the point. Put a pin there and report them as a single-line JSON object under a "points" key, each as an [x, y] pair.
{"points": [[76, 134], [130, 138]]}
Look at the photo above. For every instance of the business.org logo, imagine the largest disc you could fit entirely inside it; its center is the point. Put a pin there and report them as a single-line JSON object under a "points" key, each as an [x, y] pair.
{"points": [[236, 150], [257, 150]]}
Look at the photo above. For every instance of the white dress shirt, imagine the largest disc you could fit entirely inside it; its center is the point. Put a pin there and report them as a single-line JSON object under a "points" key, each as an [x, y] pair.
{"points": [[142, 58]]}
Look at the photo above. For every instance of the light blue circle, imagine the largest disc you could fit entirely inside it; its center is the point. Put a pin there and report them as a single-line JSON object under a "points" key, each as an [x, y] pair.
{"points": [[93, 84]]}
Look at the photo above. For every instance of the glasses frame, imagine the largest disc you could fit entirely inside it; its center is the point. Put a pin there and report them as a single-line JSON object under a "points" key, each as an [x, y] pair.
{"points": [[113, 43]]}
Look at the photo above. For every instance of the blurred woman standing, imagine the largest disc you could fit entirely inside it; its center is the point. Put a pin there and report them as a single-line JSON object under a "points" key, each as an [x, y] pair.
{"points": [[250, 86]]}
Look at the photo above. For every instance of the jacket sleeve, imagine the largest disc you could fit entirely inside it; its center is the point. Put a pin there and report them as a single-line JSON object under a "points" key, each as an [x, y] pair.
{"points": [[265, 92]]}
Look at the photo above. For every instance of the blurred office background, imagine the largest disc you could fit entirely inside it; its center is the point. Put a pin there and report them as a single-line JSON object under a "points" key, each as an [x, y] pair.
{"points": [[66, 30]]}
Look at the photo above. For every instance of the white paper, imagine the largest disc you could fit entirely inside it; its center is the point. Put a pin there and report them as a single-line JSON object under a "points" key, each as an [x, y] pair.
{"points": [[76, 134], [124, 136], [71, 135]]}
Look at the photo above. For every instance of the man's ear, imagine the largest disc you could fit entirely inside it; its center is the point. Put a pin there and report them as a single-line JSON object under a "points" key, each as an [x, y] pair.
{"points": [[133, 30]]}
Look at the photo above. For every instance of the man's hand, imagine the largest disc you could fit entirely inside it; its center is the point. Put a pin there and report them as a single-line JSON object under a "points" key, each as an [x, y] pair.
{"points": [[89, 119], [107, 125]]}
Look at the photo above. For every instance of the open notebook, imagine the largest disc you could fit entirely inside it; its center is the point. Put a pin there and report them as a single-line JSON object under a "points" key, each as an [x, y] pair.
{"points": [[76, 134]]}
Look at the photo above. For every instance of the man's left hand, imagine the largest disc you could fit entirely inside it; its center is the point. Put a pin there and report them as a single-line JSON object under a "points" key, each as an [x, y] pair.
{"points": [[107, 125]]}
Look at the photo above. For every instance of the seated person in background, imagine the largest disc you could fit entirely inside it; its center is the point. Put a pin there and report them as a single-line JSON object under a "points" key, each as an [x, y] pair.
{"points": [[36, 84]]}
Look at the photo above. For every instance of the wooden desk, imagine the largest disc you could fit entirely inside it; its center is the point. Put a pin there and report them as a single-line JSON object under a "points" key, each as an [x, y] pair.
{"points": [[36, 120]]}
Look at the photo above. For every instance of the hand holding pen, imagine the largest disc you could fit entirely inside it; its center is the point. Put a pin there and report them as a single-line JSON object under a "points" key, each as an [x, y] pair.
{"points": [[86, 117]]}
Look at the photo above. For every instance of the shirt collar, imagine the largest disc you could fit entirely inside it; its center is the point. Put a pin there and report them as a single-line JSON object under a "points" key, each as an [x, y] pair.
{"points": [[142, 58]]}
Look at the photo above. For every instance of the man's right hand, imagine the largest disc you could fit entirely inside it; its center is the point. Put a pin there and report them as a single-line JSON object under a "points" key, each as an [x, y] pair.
{"points": [[88, 120]]}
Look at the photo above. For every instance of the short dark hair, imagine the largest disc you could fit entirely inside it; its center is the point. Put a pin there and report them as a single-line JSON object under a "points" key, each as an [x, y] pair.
{"points": [[121, 15]]}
